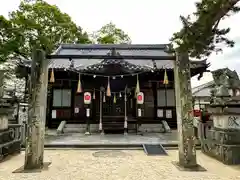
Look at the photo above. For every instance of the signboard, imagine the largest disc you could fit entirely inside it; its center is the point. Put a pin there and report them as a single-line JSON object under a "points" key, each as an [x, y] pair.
{"points": [[168, 113], [160, 113], [76, 110], [140, 98], [54, 114], [87, 98]]}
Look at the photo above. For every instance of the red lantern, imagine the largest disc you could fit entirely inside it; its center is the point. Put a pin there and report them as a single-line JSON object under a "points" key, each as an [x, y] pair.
{"points": [[87, 98], [140, 98]]}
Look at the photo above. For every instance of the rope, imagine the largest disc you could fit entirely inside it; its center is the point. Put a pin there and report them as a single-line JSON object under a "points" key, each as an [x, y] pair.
{"points": [[117, 75]]}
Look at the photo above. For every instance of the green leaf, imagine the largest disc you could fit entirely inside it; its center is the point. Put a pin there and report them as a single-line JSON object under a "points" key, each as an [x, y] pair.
{"points": [[37, 24], [110, 34], [201, 37]]}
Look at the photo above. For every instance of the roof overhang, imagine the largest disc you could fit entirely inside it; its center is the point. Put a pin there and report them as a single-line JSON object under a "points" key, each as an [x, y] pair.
{"points": [[147, 56]]}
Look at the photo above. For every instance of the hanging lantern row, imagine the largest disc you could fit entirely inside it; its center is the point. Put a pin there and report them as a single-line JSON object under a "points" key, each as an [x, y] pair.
{"points": [[108, 93], [52, 78]]}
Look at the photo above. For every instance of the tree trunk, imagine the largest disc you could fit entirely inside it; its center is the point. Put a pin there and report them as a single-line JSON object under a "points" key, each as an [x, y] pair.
{"points": [[224, 10], [36, 112], [183, 93]]}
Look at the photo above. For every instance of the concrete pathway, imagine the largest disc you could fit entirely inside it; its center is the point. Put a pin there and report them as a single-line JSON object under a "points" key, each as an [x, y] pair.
{"points": [[116, 165], [110, 139]]}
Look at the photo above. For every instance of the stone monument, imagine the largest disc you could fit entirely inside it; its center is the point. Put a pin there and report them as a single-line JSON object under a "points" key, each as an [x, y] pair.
{"points": [[5, 105], [223, 140], [10, 141]]}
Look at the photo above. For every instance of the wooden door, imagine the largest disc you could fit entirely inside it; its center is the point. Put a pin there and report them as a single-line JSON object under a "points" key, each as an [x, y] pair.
{"points": [[79, 109], [112, 109]]}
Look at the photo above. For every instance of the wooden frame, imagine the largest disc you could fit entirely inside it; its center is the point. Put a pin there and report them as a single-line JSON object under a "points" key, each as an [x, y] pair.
{"points": [[148, 82], [154, 77]]}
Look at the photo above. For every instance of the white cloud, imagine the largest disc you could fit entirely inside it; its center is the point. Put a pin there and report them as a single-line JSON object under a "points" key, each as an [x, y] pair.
{"points": [[146, 21]]}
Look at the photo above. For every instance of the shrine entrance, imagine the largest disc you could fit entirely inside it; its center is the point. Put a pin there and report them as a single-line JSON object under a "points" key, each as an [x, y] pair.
{"points": [[113, 114], [113, 107]]}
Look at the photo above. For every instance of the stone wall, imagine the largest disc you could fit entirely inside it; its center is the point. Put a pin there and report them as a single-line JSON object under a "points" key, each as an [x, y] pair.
{"points": [[222, 140], [226, 121]]}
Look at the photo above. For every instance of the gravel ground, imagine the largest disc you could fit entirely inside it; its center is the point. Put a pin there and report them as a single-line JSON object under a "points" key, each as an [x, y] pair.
{"points": [[116, 165]]}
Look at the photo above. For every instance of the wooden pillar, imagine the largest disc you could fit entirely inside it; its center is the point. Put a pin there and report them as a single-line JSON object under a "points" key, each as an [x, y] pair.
{"points": [[125, 113], [100, 113], [36, 112], [87, 126], [155, 101], [182, 78]]}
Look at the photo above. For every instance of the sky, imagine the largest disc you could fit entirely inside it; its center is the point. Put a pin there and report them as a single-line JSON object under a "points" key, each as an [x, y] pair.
{"points": [[145, 21]]}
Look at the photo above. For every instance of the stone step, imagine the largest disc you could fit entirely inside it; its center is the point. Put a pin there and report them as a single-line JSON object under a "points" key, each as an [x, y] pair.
{"points": [[73, 125], [79, 128]]}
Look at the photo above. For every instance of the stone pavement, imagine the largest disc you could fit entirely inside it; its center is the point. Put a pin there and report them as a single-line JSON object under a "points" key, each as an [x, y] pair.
{"points": [[110, 139], [116, 165]]}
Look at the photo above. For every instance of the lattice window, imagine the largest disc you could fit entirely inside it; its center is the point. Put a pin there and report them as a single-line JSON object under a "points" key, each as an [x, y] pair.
{"points": [[61, 97]]}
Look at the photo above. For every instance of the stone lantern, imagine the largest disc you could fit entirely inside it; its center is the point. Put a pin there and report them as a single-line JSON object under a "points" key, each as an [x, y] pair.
{"points": [[223, 140], [5, 105]]}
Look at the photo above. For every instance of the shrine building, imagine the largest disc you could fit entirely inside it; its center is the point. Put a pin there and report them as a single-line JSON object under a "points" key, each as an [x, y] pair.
{"points": [[108, 90]]}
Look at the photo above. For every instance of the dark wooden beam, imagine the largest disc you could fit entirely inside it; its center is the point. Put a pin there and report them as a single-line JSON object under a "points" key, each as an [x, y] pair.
{"points": [[110, 57]]}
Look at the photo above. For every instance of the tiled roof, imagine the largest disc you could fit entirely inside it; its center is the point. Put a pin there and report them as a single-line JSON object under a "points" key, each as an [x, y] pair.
{"points": [[121, 49], [203, 90]]}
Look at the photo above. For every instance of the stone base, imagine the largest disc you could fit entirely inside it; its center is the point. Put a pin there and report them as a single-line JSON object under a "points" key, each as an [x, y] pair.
{"points": [[80, 128], [166, 126], [8, 145], [94, 128], [223, 145], [13, 150], [225, 137], [44, 168], [196, 168], [227, 154], [151, 128]]}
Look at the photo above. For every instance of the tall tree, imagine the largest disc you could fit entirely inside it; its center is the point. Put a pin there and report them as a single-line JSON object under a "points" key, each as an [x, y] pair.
{"points": [[197, 39], [202, 36], [37, 24], [110, 34]]}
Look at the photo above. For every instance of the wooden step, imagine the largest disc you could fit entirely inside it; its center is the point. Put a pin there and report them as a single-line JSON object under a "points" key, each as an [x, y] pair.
{"points": [[113, 123], [113, 126]]}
